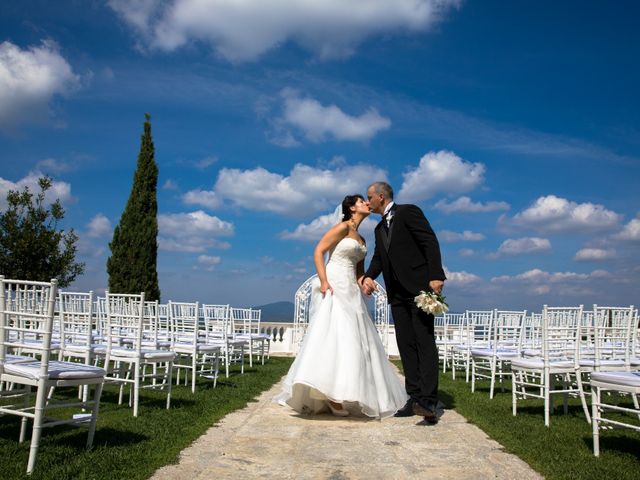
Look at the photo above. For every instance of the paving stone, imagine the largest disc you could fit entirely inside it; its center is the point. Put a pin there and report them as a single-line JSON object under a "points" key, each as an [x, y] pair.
{"points": [[266, 440]]}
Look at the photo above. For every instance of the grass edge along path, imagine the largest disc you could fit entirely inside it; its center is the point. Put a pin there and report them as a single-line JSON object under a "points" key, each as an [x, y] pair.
{"points": [[134, 448], [562, 451]]}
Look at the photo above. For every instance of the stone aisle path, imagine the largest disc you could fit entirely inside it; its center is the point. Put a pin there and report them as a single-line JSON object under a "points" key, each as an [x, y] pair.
{"points": [[266, 440]]}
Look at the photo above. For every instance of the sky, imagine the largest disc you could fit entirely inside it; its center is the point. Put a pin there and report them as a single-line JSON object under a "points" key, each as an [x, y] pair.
{"points": [[515, 126]]}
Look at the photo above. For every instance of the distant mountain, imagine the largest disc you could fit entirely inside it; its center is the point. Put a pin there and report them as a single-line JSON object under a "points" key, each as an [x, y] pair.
{"points": [[277, 312]]}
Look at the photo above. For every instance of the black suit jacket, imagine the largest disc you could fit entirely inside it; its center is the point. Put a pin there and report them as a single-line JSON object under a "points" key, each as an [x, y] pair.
{"points": [[410, 251]]}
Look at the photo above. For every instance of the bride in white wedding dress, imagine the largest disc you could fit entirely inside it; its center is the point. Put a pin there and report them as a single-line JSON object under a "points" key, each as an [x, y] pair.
{"points": [[342, 365]]}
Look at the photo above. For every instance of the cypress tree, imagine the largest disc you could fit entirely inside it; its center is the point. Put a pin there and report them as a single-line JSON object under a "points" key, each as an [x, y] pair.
{"points": [[132, 267]]}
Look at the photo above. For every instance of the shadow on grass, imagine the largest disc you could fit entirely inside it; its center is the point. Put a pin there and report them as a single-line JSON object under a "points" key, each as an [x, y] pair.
{"points": [[612, 442]]}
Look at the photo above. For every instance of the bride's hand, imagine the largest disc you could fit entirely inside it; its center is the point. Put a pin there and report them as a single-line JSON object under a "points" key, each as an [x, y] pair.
{"points": [[324, 287]]}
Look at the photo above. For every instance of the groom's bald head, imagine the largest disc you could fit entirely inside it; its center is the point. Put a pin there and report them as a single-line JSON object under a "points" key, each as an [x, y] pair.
{"points": [[384, 188], [379, 195]]}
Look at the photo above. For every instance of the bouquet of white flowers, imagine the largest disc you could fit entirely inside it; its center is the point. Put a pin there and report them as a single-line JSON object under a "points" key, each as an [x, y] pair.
{"points": [[432, 303]]}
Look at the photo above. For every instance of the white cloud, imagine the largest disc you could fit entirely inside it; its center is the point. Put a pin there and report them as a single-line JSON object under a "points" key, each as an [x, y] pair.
{"points": [[53, 166], [466, 236], [58, 191], [318, 122], [466, 205], [99, 226], [169, 185], [306, 190], [242, 31], [29, 79], [563, 287], [595, 254], [630, 232], [312, 232], [519, 246], [440, 172], [558, 215], [203, 198], [460, 278], [192, 232], [466, 252], [209, 262], [205, 162]]}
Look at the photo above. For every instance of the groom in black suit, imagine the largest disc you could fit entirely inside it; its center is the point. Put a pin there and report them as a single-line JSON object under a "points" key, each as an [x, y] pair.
{"points": [[407, 254]]}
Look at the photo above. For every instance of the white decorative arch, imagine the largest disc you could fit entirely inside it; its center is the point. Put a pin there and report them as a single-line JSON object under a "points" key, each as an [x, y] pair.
{"points": [[301, 315]]}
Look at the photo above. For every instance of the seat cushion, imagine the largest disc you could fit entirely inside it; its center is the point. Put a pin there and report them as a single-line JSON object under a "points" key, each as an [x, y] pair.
{"points": [[631, 379], [17, 359], [590, 362], [57, 370], [538, 363]]}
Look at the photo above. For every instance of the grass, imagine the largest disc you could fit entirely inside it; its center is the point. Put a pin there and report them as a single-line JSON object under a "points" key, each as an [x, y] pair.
{"points": [[133, 448], [562, 451]]}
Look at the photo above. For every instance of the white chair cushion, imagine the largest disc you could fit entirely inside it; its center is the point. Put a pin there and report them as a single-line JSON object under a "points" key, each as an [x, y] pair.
{"points": [[590, 362], [17, 359], [57, 370], [538, 363], [200, 347], [147, 354], [488, 352], [631, 379]]}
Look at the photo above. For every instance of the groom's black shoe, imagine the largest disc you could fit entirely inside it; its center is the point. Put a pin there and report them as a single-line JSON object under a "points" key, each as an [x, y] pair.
{"points": [[407, 410], [428, 411]]}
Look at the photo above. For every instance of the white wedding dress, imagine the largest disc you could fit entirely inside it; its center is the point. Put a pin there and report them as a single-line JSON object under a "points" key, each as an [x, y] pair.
{"points": [[341, 357]]}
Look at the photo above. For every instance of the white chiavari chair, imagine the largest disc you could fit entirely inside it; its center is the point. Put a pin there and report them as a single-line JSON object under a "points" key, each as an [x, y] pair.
{"points": [[220, 330], [26, 322], [494, 361], [477, 334], [194, 353], [553, 372], [125, 356]]}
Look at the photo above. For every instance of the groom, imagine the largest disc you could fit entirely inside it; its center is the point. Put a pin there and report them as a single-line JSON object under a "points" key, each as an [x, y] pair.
{"points": [[408, 255]]}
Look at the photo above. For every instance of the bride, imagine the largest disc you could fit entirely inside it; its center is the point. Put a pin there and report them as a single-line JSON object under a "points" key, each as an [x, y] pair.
{"points": [[342, 365]]}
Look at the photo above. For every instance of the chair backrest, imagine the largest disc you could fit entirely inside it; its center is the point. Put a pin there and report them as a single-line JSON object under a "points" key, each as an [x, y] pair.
{"points": [[560, 332], [26, 319], [507, 329], [613, 333], [240, 320], [217, 321], [77, 321], [531, 337], [183, 317], [256, 318], [125, 316], [150, 323], [479, 324], [164, 324], [455, 326]]}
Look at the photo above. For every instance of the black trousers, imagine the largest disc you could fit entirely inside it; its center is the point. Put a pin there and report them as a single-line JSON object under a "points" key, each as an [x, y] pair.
{"points": [[418, 350]]}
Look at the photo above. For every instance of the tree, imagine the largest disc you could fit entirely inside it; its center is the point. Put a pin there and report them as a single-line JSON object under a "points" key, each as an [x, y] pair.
{"points": [[31, 246], [132, 267]]}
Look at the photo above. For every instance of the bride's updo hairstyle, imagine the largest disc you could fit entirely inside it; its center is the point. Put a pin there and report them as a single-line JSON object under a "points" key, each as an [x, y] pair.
{"points": [[348, 202]]}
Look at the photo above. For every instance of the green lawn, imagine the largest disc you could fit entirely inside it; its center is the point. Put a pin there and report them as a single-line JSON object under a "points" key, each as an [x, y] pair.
{"points": [[133, 448], [561, 451]]}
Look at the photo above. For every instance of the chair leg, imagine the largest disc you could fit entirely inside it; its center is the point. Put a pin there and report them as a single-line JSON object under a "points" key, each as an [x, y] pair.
{"points": [[514, 398], [94, 414], [136, 387], [194, 366], [547, 397], [583, 399], [167, 380], [492, 364], [41, 399], [595, 419]]}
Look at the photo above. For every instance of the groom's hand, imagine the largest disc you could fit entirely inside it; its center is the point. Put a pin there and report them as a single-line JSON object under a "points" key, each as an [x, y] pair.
{"points": [[436, 286], [368, 286]]}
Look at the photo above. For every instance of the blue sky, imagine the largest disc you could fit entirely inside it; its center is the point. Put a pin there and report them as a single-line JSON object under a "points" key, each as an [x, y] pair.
{"points": [[515, 126]]}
